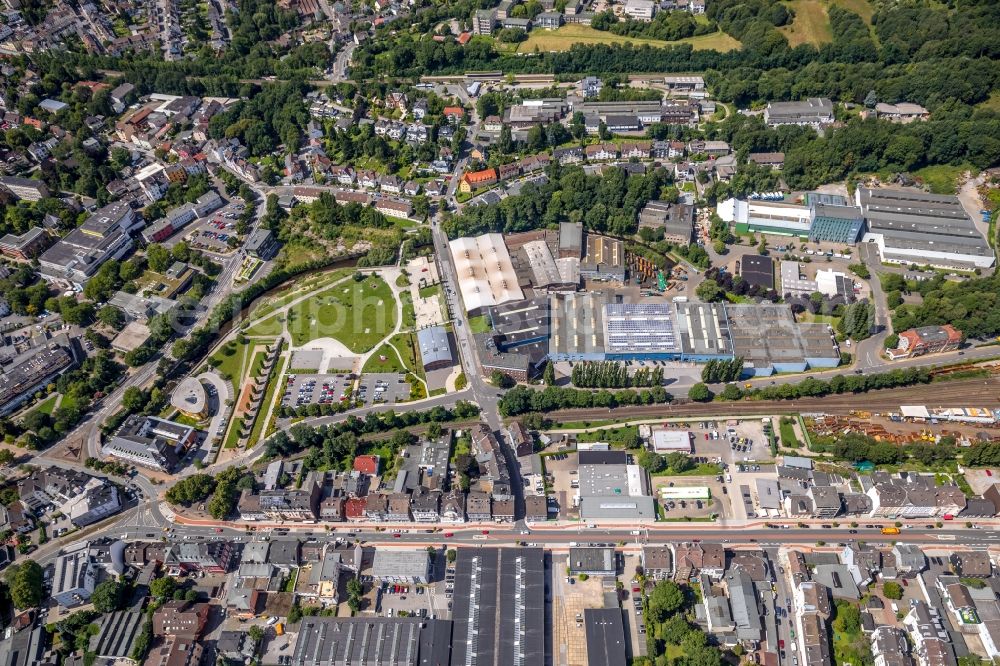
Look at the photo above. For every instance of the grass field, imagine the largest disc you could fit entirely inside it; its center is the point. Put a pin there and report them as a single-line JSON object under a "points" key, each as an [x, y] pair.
{"points": [[358, 314], [788, 437], [563, 38], [811, 24], [231, 360], [812, 21], [480, 324], [298, 289], [406, 344], [992, 103], [392, 363], [943, 178], [45, 406]]}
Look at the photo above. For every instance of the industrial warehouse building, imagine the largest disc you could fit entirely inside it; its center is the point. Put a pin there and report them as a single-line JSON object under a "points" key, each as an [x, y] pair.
{"points": [[819, 217], [499, 610], [916, 227], [486, 275]]}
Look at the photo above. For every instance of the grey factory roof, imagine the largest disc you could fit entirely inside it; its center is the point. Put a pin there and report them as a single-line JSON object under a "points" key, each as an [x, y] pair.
{"points": [[915, 220], [592, 560], [577, 322], [400, 563], [520, 322], [499, 607], [704, 328], [605, 636], [765, 334], [434, 345], [407, 641], [117, 634]]}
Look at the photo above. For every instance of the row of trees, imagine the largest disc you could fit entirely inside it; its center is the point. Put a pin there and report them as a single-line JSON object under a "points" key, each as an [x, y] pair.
{"points": [[611, 374], [522, 400], [722, 370], [341, 441]]}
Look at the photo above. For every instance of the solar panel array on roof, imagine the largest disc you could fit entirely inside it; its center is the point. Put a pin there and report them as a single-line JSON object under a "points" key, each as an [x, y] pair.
{"points": [[640, 327]]}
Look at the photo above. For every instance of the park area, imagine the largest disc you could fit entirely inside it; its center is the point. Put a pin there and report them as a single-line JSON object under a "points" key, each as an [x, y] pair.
{"points": [[563, 38], [358, 314]]}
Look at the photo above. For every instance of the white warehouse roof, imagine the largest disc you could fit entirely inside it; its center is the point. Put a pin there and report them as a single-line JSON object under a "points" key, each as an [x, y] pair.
{"points": [[485, 273]]}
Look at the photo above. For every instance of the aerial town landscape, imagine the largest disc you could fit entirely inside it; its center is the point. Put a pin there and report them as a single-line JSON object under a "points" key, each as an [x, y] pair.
{"points": [[499, 332]]}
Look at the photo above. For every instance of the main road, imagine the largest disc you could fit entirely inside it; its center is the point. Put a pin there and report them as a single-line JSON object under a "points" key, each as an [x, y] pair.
{"points": [[130, 527]]}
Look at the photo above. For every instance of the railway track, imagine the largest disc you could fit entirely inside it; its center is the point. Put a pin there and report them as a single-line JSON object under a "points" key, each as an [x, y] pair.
{"points": [[959, 393]]}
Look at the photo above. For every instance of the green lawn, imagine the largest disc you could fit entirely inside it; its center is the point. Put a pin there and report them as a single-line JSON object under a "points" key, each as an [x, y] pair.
{"points": [[46, 406], [231, 360], [701, 469], [390, 364], [358, 314], [943, 178], [427, 292], [565, 37], [619, 434], [788, 438], [298, 289], [406, 344], [812, 20], [480, 324], [992, 103], [409, 316]]}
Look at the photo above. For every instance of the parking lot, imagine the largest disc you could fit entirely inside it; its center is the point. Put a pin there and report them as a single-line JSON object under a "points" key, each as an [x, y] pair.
{"points": [[317, 389], [371, 389], [383, 387], [213, 233], [733, 441]]}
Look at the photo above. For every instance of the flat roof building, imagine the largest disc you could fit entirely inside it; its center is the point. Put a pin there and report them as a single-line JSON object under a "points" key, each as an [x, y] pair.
{"points": [[758, 270], [74, 259], [190, 398], [814, 112], [605, 636], [917, 227], [402, 566], [770, 340], [150, 442], [614, 493]]}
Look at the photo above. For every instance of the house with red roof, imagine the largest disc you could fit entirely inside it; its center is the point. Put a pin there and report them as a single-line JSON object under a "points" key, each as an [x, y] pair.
{"points": [[354, 509], [473, 180], [454, 113], [367, 464]]}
